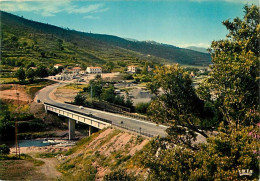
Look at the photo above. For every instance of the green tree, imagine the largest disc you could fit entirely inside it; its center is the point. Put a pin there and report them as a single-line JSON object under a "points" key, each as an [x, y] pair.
{"points": [[4, 150], [177, 104], [80, 99], [221, 158], [108, 94], [41, 71], [234, 80], [20, 74], [30, 74]]}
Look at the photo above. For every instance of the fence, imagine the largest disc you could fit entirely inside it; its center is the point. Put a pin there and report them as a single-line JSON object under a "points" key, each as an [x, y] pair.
{"points": [[139, 131]]}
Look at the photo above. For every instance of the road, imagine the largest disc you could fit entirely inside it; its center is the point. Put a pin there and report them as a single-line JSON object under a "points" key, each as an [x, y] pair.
{"points": [[144, 126]]}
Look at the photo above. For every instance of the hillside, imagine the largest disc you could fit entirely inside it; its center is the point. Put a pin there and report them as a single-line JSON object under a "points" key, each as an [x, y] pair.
{"points": [[171, 53], [103, 153], [198, 49], [25, 40]]}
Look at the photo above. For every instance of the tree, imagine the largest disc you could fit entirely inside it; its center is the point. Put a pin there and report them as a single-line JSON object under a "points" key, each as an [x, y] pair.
{"points": [[4, 150], [80, 99], [42, 71], [221, 158], [108, 94], [177, 104], [20, 74], [234, 78], [30, 74], [234, 86]]}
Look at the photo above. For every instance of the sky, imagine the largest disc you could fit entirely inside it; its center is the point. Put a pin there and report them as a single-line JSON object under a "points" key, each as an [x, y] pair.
{"points": [[177, 22]]}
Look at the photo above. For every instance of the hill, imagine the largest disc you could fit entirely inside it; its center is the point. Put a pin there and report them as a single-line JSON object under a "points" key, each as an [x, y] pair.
{"points": [[171, 53], [198, 49], [24, 41]]}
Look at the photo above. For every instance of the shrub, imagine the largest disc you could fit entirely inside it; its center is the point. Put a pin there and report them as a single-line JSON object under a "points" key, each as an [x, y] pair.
{"points": [[4, 150]]}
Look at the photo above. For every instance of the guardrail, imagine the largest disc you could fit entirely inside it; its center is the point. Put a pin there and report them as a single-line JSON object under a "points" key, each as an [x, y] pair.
{"points": [[139, 131], [88, 115], [128, 114]]}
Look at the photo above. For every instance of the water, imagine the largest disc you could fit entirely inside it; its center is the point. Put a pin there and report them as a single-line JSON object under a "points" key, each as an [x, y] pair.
{"points": [[26, 143]]}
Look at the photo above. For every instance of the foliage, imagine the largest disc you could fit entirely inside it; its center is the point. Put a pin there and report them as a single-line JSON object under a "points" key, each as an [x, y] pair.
{"points": [[80, 99], [4, 150], [231, 92], [118, 175], [20, 74], [177, 104], [234, 80], [30, 75], [142, 107], [42, 71], [6, 123], [221, 158]]}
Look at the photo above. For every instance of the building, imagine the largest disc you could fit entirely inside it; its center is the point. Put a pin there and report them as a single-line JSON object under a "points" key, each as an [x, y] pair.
{"points": [[94, 70], [76, 70], [82, 72], [132, 68], [57, 66]]}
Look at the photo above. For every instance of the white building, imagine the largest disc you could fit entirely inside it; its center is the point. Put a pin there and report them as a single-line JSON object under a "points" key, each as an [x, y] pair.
{"points": [[94, 70], [57, 66], [132, 68]]}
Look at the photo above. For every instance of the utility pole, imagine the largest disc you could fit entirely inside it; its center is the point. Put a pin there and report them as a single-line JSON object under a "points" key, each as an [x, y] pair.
{"points": [[16, 125], [91, 92]]}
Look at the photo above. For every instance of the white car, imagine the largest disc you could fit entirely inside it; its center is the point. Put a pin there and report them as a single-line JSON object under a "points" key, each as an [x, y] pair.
{"points": [[81, 107]]}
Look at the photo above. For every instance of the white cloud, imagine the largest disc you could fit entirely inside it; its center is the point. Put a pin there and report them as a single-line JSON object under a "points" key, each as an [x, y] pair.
{"points": [[91, 17], [50, 8], [202, 45]]}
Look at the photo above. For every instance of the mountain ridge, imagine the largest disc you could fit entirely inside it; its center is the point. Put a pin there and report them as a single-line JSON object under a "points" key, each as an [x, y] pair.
{"points": [[86, 47]]}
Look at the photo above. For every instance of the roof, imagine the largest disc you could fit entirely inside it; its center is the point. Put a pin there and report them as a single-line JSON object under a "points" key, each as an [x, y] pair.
{"points": [[74, 68], [94, 67], [57, 65]]}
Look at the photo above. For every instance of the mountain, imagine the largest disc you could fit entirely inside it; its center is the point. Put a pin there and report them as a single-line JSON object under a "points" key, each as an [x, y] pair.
{"points": [[198, 49], [171, 53], [23, 40]]}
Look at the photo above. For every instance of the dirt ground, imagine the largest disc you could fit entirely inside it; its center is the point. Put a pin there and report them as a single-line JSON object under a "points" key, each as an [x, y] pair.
{"points": [[25, 170], [8, 93]]}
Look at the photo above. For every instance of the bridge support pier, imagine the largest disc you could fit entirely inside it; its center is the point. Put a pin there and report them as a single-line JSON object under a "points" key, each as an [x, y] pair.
{"points": [[71, 129], [90, 130]]}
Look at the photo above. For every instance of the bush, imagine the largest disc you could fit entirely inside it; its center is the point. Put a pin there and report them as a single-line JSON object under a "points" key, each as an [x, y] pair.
{"points": [[4, 150], [142, 107], [118, 175]]}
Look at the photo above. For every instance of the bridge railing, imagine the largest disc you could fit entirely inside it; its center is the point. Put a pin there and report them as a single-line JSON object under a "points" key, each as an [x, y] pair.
{"points": [[124, 113], [88, 115], [139, 131]]}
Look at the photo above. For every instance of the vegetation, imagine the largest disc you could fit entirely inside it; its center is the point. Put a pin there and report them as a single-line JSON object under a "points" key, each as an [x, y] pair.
{"points": [[231, 91], [30, 44], [4, 150]]}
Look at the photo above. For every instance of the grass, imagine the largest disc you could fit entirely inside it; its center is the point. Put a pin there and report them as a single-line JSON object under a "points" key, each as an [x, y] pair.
{"points": [[47, 155], [78, 87], [34, 161], [8, 80]]}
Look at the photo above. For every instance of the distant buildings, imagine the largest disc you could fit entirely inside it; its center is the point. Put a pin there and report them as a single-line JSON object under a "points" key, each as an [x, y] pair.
{"points": [[76, 70], [132, 68], [94, 70], [57, 66]]}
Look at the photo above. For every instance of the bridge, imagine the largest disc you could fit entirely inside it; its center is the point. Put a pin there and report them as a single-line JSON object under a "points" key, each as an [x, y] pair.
{"points": [[96, 118], [75, 117]]}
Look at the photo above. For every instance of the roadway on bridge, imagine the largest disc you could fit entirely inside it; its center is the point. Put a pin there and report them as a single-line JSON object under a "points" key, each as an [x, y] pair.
{"points": [[148, 127]]}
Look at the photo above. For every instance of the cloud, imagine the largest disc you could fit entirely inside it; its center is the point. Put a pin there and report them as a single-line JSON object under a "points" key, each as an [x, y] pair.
{"points": [[91, 17], [202, 45], [50, 8]]}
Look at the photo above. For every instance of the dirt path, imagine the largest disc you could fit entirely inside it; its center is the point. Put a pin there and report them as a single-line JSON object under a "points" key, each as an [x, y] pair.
{"points": [[49, 168]]}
